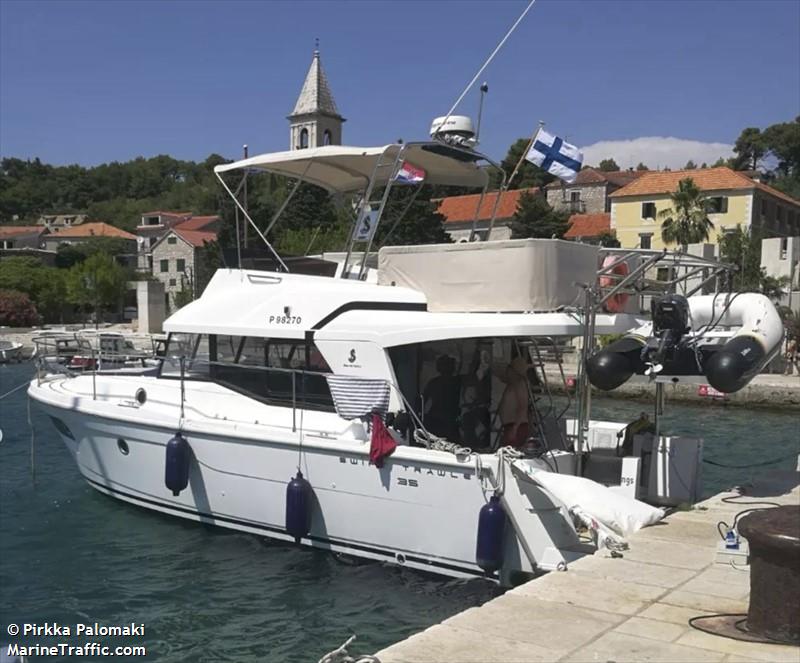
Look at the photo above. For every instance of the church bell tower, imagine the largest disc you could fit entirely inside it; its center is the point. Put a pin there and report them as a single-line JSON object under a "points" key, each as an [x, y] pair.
{"points": [[315, 120]]}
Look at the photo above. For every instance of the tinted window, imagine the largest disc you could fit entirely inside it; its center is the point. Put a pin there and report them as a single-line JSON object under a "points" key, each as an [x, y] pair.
{"points": [[242, 364]]}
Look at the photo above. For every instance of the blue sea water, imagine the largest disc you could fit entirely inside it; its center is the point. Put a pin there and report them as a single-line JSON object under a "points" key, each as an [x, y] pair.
{"points": [[71, 555]]}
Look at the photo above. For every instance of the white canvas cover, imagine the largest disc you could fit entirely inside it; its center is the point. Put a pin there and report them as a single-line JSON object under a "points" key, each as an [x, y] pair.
{"points": [[346, 169], [508, 275]]}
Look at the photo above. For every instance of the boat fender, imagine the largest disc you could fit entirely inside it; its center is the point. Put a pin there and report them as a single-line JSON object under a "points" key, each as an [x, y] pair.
{"points": [[176, 475], [618, 302], [616, 363], [735, 364], [491, 526], [299, 498]]}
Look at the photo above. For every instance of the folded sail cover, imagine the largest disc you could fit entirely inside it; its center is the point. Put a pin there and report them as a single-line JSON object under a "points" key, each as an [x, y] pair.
{"points": [[357, 397]]}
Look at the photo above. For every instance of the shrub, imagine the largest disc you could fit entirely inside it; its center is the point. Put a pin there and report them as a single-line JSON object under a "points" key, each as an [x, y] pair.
{"points": [[17, 310]]}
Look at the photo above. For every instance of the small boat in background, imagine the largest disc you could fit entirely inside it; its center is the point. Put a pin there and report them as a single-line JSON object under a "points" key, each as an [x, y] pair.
{"points": [[10, 351]]}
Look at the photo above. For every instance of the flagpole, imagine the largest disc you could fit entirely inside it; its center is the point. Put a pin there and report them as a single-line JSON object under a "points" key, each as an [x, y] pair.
{"points": [[507, 183], [524, 154]]}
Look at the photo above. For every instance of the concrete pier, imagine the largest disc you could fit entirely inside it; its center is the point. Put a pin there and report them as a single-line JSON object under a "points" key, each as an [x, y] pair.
{"points": [[634, 608]]}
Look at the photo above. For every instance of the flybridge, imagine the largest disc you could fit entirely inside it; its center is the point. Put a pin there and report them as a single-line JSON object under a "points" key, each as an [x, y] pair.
{"points": [[369, 173], [256, 303]]}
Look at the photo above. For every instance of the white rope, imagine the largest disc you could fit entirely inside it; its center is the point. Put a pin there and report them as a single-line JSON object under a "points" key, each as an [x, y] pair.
{"points": [[485, 64], [341, 655]]}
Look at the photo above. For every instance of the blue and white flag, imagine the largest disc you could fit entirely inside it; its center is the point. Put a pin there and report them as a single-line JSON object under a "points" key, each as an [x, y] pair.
{"points": [[555, 156]]}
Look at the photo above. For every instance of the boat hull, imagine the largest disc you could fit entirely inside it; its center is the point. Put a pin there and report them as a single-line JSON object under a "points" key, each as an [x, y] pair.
{"points": [[415, 512]]}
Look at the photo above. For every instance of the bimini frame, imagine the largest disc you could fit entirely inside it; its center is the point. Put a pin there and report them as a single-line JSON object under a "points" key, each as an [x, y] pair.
{"points": [[368, 173]]}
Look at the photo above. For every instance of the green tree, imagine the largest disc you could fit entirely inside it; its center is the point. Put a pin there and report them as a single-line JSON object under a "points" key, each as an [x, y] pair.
{"points": [[97, 283], [535, 218], [420, 224], [742, 250], [527, 176], [608, 166], [641, 166], [184, 295], [686, 221], [608, 238], [690, 165], [749, 149]]}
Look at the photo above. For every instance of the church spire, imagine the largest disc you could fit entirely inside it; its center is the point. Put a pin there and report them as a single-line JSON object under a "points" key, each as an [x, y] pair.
{"points": [[316, 95], [315, 120]]}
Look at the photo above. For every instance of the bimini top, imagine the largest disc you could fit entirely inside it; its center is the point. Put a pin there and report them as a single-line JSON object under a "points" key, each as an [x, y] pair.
{"points": [[346, 169]]}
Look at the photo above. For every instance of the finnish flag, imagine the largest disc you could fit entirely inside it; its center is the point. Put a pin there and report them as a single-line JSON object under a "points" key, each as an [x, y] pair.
{"points": [[555, 156]]}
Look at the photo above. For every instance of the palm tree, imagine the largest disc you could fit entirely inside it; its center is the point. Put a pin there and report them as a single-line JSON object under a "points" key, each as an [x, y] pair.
{"points": [[686, 222]]}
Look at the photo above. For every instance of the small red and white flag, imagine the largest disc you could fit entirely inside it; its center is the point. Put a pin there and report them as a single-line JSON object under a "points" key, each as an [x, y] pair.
{"points": [[409, 174]]}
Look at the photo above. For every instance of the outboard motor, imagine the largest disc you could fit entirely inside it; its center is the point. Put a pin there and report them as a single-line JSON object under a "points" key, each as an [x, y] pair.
{"points": [[670, 324], [665, 348]]}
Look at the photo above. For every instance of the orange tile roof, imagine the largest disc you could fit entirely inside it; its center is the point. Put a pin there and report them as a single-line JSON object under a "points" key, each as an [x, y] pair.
{"points": [[16, 231], [195, 237], [197, 222], [93, 229], [459, 209], [708, 179], [588, 225]]}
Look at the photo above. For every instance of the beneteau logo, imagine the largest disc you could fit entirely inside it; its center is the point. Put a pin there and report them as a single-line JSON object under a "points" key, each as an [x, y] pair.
{"points": [[352, 356]]}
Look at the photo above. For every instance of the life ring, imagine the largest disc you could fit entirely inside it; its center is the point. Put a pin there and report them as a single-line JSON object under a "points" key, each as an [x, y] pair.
{"points": [[617, 303]]}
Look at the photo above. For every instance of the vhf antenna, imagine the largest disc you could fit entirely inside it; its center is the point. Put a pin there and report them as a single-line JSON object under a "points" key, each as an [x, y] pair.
{"points": [[484, 90]]}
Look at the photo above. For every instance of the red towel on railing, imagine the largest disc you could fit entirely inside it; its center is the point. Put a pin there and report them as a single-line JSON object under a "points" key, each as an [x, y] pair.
{"points": [[383, 443]]}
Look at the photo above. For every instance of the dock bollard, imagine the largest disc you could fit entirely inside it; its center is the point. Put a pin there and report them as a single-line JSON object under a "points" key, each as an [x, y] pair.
{"points": [[774, 537]]}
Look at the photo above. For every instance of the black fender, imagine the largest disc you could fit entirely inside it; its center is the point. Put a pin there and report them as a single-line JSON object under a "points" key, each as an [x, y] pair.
{"points": [[616, 363]]}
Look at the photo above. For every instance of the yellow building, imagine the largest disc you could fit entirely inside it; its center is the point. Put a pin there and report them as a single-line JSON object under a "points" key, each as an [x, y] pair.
{"points": [[736, 200]]}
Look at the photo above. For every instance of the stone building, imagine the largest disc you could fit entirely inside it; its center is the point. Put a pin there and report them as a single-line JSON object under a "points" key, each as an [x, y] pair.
{"points": [[58, 221], [175, 257], [155, 225], [315, 120], [589, 193]]}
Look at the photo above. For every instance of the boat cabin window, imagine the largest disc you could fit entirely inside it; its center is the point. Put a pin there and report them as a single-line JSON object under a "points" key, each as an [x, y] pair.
{"points": [[184, 346], [477, 392], [275, 371]]}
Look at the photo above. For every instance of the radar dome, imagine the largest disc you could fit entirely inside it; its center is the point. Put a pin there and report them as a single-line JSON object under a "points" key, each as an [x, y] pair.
{"points": [[457, 130]]}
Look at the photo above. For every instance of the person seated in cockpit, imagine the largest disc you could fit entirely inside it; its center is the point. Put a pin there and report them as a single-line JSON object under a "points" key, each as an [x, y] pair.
{"points": [[514, 403], [441, 398]]}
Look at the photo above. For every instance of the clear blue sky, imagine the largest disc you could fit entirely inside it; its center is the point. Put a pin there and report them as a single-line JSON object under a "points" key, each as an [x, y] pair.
{"points": [[89, 82]]}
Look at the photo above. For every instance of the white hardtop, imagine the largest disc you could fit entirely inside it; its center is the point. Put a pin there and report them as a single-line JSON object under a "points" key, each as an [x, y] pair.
{"points": [[392, 328], [280, 305], [347, 169]]}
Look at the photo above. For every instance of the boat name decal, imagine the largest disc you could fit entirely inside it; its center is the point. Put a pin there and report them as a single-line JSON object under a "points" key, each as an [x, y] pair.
{"points": [[416, 469]]}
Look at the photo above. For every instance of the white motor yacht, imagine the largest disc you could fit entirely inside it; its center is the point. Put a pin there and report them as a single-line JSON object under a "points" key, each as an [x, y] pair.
{"points": [[373, 419]]}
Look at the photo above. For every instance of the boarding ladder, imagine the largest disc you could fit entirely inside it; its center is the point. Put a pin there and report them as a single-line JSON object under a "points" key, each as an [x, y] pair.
{"points": [[370, 210], [544, 408]]}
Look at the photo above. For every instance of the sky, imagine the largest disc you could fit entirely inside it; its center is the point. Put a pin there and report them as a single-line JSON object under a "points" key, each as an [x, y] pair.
{"points": [[654, 81]]}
